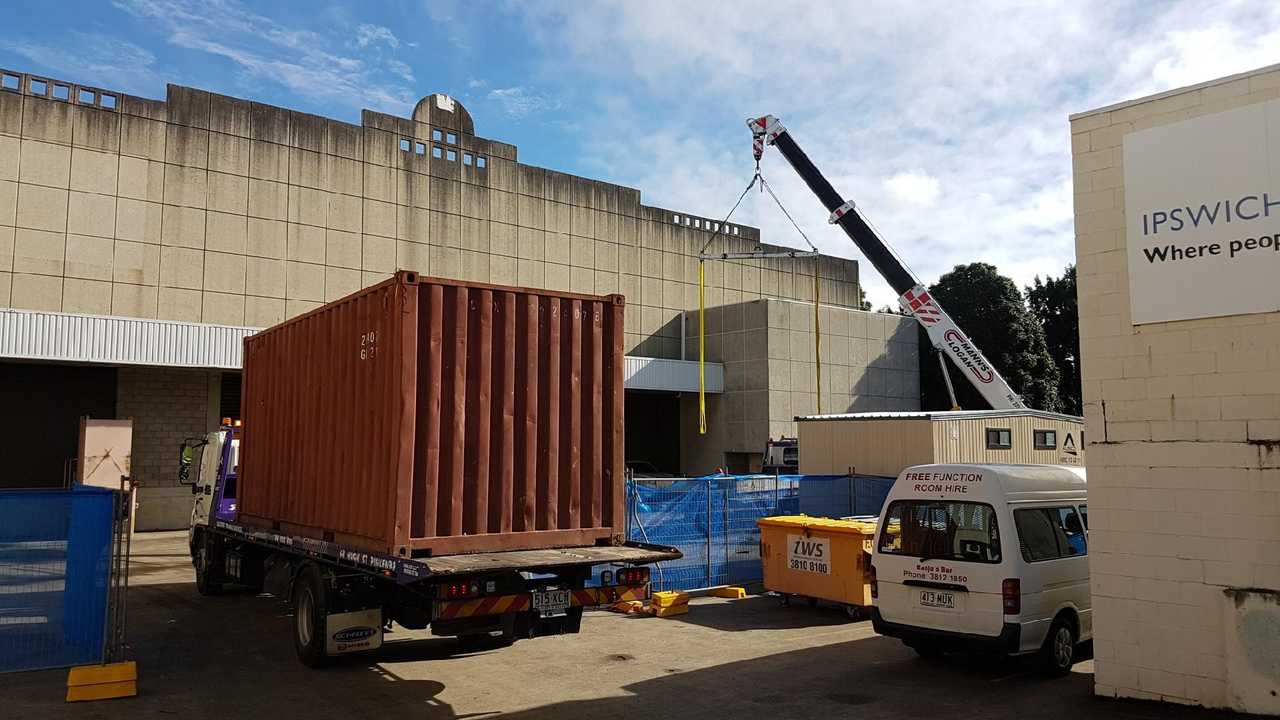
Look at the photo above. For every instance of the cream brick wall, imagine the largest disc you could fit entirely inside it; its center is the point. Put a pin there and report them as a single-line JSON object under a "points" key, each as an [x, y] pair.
{"points": [[1183, 423], [205, 208]]}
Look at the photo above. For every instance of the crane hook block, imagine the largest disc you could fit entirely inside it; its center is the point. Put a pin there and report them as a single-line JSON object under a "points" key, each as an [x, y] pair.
{"points": [[841, 212]]}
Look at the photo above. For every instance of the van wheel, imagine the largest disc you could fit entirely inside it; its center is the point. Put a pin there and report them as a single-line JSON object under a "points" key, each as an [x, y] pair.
{"points": [[1059, 651], [207, 561], [310, 606]]}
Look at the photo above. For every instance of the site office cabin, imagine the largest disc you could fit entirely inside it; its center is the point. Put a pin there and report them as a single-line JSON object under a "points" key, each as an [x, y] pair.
{"points": [[986, 556]]}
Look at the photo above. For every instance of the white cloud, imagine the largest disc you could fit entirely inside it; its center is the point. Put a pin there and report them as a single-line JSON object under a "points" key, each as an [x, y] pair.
{"points": [[946, 123], [375, 34], [518, 102], [95, 59], [915, 188], [267, 51]]}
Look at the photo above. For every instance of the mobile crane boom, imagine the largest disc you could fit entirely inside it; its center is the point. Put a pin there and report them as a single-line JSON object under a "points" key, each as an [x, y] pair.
{"points": [[943, 332]]}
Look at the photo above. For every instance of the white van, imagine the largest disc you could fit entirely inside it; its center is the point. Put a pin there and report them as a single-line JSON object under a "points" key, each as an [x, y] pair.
{"points": [[985, 556]]}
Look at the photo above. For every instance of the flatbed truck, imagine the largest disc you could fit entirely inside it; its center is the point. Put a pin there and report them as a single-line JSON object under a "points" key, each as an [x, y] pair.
{"points": [[345, 598]]}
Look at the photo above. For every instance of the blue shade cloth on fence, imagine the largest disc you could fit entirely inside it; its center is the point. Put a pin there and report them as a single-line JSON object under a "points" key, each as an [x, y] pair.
{"points": [[840, 496], [55, 551], [712, 519]]}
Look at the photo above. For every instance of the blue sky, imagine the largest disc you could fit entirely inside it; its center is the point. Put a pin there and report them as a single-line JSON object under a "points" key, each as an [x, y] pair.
{"points": [[945, 122]]}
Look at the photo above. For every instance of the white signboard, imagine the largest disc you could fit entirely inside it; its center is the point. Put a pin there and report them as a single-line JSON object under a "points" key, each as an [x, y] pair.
{"points": [[809, 554], [1202, 215]]}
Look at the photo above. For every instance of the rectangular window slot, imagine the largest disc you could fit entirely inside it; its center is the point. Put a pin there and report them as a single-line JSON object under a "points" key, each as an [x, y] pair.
{"points": [[687, 221], [10, 82], [435, 135], [481, 161], [404, 145], [451, 138], [675, 219], [61, 92], [436, 152], [419, 149], [466, 158], [451, 156], [735, 230], [38, 87], [88, 97], [108, 101]]}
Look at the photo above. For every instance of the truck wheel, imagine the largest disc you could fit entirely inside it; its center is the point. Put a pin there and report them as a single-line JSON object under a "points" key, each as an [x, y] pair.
{"points": [[310, 606], [1058, 653], [208, 561]]}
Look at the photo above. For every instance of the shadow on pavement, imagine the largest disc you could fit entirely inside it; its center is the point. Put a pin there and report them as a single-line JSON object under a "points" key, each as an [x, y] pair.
{"points": [[760, 612], [230, 657], [868, 678]]}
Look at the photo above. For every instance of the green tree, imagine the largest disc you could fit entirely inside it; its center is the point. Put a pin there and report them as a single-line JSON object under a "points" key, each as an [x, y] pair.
{"points": [[1054, 304], [991, 310]]}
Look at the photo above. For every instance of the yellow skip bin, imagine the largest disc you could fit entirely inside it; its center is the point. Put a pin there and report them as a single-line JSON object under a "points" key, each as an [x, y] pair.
{"points": [[818, 558]]}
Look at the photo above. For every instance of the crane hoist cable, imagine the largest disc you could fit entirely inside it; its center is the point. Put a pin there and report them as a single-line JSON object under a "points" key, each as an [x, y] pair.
{"points": [[702, 281]]}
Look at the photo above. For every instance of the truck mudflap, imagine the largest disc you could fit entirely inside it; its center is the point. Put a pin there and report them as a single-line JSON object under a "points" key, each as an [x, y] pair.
{"points": [[523, 602]]}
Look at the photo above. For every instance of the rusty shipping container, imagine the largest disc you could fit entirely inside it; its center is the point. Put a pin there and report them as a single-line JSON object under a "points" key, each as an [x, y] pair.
{"points": [[431, 417]]}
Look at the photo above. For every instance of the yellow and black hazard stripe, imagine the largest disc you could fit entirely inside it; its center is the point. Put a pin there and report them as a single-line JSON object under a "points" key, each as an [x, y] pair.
{"points": [[503, 604]]}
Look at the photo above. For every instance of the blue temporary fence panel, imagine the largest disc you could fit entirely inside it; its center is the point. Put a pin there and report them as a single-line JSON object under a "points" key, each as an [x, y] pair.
{"points": [[55, 554], [839, 496], [712, 519]]}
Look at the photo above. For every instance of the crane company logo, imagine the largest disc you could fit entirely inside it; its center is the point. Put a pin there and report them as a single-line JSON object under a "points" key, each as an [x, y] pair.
{"points": [[1201, 211], [1069, 445], [969, 355]]}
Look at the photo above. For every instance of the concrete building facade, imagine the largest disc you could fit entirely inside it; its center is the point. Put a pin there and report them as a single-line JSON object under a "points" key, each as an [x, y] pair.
{"points": [[1182, 391], [208, 210]]}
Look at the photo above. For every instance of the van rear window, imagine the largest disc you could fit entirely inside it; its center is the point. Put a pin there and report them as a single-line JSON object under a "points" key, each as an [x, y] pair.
{"points": [[933, 530]]}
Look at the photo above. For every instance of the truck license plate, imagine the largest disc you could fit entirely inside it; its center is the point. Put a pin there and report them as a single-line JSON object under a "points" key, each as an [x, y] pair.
{"points": [[937, 600], [551, 603]]}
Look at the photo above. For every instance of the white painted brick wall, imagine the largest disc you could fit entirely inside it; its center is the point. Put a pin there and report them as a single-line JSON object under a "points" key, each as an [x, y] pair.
{"points": [[1183, 422]]}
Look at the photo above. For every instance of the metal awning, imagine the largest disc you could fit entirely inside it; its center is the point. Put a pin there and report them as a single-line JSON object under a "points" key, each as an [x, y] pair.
{"points": [[67, 337]]}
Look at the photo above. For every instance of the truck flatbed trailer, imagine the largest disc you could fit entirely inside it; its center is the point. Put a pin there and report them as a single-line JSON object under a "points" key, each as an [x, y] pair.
{"points": [[344, 598], [406, 571]]}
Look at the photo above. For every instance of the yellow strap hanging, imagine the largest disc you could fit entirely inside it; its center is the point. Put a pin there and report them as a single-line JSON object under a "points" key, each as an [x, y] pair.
{"points": [[817, 335], [702, 355]]}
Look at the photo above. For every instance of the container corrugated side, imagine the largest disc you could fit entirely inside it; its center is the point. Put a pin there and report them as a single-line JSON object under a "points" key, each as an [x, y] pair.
{"points": [[430, 416]]}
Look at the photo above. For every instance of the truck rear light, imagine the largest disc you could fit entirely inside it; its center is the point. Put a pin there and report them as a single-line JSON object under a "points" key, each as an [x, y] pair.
{"points": [[875, 586], [460, 590], [1011, 591], [633, 576]]}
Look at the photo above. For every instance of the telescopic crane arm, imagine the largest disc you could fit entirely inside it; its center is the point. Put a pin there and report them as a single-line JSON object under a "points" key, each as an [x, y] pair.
{"points": [[943, 332]]}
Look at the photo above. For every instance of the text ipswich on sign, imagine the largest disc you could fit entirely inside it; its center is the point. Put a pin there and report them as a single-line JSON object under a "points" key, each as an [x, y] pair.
{"points": [[1202, 216]]}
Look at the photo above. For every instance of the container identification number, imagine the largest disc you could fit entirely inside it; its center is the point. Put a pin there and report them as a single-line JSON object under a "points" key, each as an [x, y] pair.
{"points": [[368, 345]]}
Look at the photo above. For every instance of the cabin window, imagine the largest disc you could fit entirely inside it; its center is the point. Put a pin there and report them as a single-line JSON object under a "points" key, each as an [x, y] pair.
{"points": [[999, 438], [1045, 439]]}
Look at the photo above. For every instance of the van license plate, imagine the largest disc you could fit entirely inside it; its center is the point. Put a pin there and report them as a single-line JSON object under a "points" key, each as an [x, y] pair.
{"points": [[551, 603], [937, 600]]}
